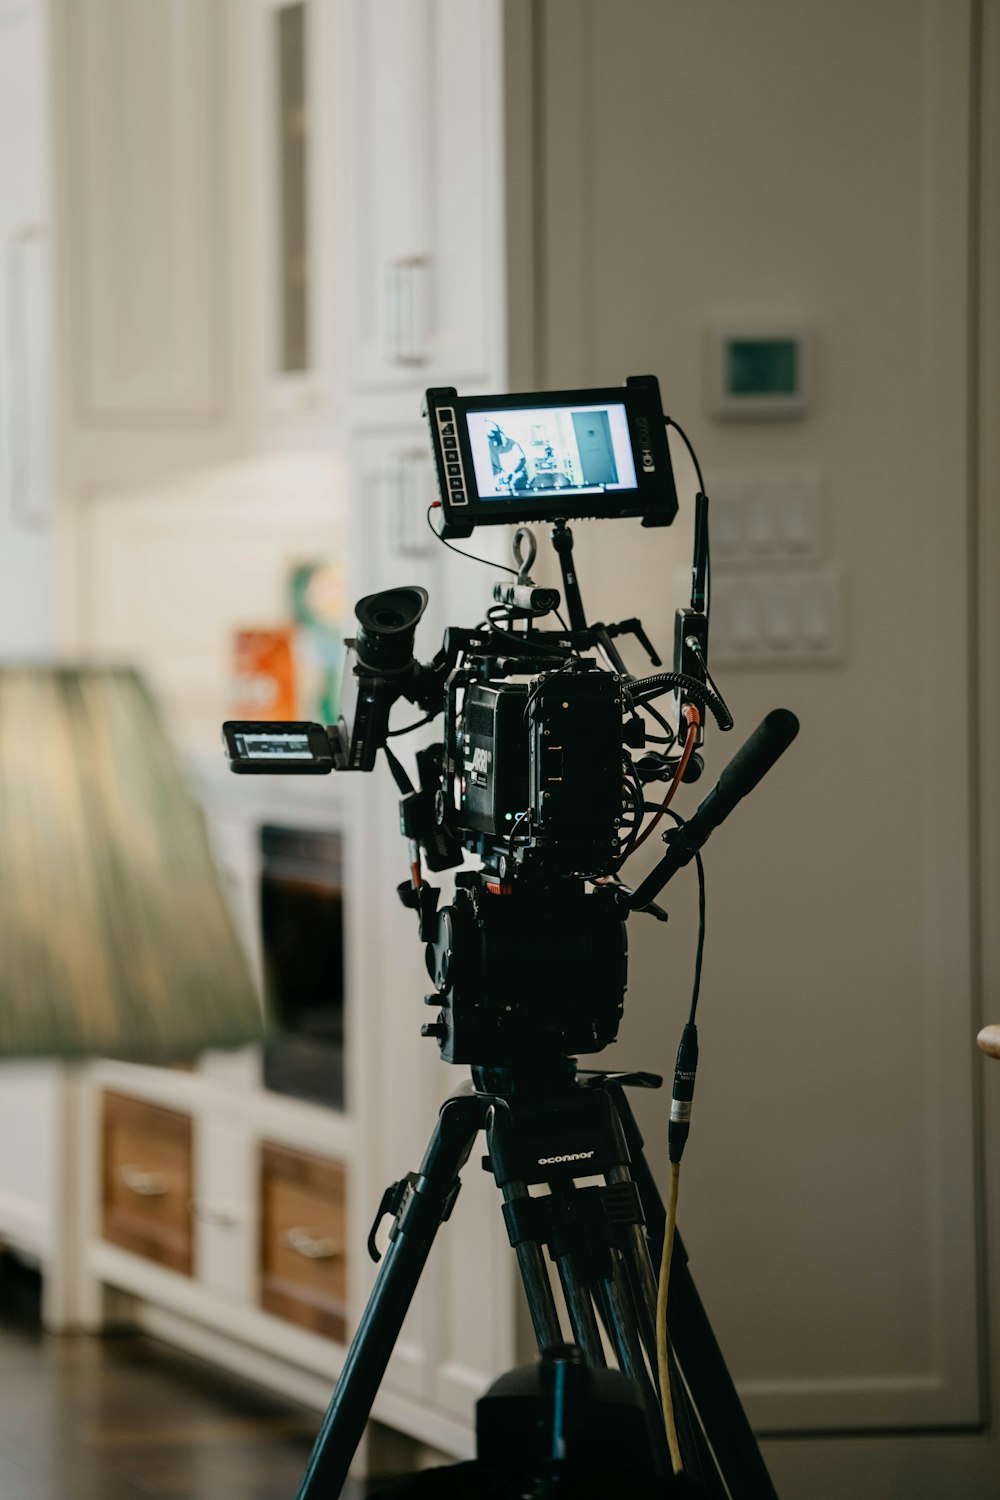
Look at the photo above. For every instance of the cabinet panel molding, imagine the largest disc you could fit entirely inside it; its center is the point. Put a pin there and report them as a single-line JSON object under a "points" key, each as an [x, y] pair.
{"points": [[144, 122]]}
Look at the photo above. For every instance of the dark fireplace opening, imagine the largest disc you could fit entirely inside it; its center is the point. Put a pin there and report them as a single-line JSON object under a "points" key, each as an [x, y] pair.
{"points": [[302, 934]]}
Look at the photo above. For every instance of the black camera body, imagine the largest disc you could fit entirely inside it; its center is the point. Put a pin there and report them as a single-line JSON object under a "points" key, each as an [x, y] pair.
{"points": [[529, 777], [546, 754], [525, 960], [524, 970]]}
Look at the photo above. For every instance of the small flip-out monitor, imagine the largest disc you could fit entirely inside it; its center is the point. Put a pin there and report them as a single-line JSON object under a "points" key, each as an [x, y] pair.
{"points": [[277, 747], [552, 455]]}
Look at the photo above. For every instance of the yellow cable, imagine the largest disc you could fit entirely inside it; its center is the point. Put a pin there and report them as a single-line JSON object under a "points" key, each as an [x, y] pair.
{"points": [[662, 1362]]}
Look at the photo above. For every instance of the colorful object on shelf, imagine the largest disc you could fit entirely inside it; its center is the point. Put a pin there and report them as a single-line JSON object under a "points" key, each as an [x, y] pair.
{"points": [[115, 938], [265, 686], [318, 594]]}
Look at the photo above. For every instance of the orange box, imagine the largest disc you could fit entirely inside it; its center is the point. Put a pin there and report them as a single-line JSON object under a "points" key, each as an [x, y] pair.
{"points": [[264, 686]]}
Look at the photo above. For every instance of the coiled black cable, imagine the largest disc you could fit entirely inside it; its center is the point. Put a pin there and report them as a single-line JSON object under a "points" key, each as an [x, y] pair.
{"points": [[662, 682]]}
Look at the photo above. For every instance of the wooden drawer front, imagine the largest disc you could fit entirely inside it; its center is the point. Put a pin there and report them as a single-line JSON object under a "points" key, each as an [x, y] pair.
{"points": [[147, 1180], [303, 1226]]}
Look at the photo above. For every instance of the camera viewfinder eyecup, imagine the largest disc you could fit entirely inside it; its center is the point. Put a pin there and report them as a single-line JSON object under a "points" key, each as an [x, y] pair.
{"points": [[387, 624]]}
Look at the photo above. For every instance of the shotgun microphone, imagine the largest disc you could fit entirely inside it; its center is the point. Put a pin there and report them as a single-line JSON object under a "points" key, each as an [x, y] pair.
{"points": [[752, 761]]}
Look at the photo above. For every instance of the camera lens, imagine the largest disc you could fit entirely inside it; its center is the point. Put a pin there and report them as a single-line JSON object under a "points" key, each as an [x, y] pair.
{"points": [[387, 624]]}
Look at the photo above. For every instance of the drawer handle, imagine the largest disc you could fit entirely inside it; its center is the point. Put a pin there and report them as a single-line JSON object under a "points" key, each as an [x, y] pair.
{"points": [[145, 1184], [303, 1243]]}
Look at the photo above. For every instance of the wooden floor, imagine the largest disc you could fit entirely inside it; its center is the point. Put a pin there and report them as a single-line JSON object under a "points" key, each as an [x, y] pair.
{"points": [[127, 1418]]}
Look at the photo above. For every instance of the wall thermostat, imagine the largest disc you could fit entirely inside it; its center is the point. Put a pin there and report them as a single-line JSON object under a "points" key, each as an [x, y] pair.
{"points": [[759, 370]]}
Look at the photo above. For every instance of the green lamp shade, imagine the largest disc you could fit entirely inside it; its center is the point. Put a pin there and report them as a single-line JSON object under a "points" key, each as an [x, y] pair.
{"points": [[115, 938]]}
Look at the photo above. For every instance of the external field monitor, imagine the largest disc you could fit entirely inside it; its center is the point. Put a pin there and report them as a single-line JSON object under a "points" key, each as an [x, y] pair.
{"points": [[552, 454]]}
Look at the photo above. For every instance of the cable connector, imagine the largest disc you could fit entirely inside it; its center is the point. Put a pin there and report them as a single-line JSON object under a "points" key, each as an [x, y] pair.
{"points": [[683, 1092]]}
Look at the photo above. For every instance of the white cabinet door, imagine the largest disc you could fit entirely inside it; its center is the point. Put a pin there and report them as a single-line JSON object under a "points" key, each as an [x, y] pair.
{"points": [[423, 178], [293, 122], [144, 116], [28, 1091], [386, 963], [455, 1339], [393, 483], [25, 355]]}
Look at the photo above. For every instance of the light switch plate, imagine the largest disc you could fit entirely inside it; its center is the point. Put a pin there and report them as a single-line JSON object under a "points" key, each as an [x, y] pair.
{"points": [[775, 619], [766, 520]]}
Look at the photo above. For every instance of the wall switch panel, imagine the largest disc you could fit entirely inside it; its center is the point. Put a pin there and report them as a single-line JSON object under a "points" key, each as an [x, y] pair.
{"points": [[766, 520], [776, 619], [764, 620]]}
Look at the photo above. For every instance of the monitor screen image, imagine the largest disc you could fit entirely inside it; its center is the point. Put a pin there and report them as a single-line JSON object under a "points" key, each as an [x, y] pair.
{"points": [[584, 450], [265, 746]]}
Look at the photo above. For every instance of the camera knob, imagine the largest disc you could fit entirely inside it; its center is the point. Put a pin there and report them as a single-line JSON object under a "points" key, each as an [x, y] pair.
{"points": [[434, 1028]]}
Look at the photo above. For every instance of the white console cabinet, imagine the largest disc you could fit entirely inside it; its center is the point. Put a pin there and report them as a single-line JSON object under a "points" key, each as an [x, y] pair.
{"points": [[179, 1210]]}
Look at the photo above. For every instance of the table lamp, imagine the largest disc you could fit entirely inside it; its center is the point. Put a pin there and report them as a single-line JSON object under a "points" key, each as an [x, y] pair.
{"points": [[115, 938]]}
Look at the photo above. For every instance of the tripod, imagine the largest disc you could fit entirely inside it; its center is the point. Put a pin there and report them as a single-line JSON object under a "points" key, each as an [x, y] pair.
{"points": [[552, 1125]]}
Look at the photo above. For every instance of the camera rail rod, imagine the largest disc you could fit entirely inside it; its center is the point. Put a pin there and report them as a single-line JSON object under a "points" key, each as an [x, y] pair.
{"points": [[562, 543]]}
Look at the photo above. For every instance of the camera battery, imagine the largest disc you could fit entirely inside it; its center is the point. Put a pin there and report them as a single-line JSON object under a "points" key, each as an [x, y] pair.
{"points": [[575, 762], [494, 756]]}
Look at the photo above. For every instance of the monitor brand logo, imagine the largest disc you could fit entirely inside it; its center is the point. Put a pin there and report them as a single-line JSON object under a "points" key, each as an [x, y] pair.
{"points": [[645, 445]]}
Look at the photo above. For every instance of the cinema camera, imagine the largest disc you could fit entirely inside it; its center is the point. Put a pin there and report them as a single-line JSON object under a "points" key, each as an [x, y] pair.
{"points": [[550, 747]]}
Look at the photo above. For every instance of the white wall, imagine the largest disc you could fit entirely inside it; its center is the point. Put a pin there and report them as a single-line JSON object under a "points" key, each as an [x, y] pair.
{"points": [[798, 156]]}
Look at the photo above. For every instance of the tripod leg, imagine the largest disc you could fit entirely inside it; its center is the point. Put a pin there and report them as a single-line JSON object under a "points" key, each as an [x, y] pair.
{"points": [[622, 1326], [635, 1254], [426, 1205], [537, 1289], [582, 1317]]}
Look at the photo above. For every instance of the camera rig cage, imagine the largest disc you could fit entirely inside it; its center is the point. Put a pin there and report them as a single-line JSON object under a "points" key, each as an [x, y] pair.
{"points": [[533, 774]]}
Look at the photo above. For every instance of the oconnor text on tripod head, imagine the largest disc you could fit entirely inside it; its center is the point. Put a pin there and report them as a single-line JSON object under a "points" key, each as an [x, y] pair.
{"points": [[545, 771]]}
